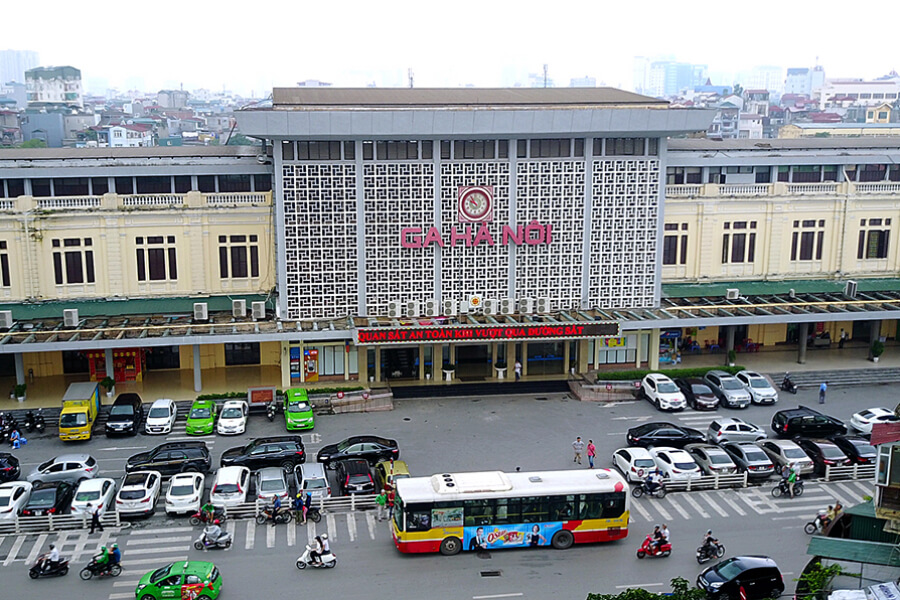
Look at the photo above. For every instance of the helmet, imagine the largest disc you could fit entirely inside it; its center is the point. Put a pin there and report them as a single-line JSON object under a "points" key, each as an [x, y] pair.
{"points": [[324, 536], [102, 548], [217, 522], [709, 532], [115, 546], [52, 546]]}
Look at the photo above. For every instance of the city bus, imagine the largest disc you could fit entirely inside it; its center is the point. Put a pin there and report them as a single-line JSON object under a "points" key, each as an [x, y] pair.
{"points": [[490, 510]]}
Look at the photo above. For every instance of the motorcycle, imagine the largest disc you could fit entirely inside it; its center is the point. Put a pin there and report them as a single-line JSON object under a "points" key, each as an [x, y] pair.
{"points": [[39, 423], [58, 570], [200, 518], [784, 489], [284, 515], [708, 551], [327, 560], [9, 424], [270, 411], [29, 421], [818, 524], [204, 543], [642, 488], [787, 385], [94, 568], [648, 549]]}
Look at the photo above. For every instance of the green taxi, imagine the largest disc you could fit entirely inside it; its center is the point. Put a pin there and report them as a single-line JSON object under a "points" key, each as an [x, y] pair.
{"points": [[167, 582], [202, 417], [298, 412]]}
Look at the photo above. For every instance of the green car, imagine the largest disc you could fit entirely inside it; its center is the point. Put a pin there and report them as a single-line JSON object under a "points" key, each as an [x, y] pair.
{"points": [[202, 417], [298, 413], [166, 582]]}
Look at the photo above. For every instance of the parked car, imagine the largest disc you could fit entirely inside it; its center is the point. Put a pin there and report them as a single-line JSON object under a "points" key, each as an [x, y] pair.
{"points": [[354, 477], [731, 429], [161, 416], [368, 447], [99, 493], [387, 472], [14, 496], [727, 389], [663, 434], [785, 453], [138, 493], [66, 467], [824, 453], [298, 412], [662, 392], [712, 459], [230, 486], [49, 498], [805, 422], [185, 493], [675, 464], [283, 451], [698, 394], [864, 419], [857, 449], [9, 467], [271, 482], [167, 581], [202, 417], [172, 457], [125, 416], [750, 458], [233, 418], [311, 479], [761, 391], [753, 577], [634, 463]]}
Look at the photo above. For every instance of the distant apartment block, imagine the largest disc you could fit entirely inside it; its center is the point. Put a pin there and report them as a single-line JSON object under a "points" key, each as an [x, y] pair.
{"points": [[841, 92], [14, 63], [583, 82], [127, 136], [803, 81], [172, 98], [813, 130], [59, 86]]}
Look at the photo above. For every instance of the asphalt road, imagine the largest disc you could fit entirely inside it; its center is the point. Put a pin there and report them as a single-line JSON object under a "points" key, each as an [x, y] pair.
{"points": [[457, 435]]}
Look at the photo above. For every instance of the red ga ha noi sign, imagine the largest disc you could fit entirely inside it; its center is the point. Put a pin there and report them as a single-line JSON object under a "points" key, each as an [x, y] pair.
{"points": [[377, 336]]}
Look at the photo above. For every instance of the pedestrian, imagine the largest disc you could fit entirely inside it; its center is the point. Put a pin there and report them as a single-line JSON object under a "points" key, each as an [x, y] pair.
{"points": [[518, 369], [578, 447], [95, 518], [390, 503], [380, 503], [822, 389], [592, 452], [842, 339]]}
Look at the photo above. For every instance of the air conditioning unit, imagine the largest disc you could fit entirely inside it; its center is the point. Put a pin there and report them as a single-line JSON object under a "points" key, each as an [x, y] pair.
{"points": [[525, 305], [491, 307], [238, 309], [395, 309], [542, 305], [201, 311], [259, 310], [850, 289], [6, 320], [464, 307], [413, 308], [70, 317], [732, 294], [450, 307], [507, 306], [431, 308]]}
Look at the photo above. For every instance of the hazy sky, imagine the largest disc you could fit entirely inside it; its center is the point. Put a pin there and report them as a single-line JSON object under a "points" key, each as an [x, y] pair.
{"points": [[254, 46]]}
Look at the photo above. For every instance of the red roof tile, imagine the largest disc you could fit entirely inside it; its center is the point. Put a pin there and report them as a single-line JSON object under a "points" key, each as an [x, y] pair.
{"points": [[884, 433]]}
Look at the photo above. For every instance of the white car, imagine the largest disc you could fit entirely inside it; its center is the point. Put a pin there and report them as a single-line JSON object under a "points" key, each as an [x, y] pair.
{"points": [[139, 493], [864, 419], [233, 418], [99, 493], [759, 388], [184, 493], [13, 496], [662, 392], [635, 463], [229, 487], [161, 417], [674, 463]]}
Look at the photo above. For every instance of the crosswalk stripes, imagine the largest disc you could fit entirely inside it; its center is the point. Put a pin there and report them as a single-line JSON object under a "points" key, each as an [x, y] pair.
{"points": [[713, 504], [696, 505], [250, 538], [351, 527]]}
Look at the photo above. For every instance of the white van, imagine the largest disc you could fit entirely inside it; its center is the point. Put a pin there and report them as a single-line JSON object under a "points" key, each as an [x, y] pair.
{"points": [[311, 479]]}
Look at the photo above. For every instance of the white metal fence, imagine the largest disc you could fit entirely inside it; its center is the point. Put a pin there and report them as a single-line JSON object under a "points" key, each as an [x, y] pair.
{"points": [[707, 482], [851, 472]]}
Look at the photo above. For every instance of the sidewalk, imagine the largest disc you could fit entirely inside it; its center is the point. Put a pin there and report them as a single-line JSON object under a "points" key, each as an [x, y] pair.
{"points": [[853, 356]]}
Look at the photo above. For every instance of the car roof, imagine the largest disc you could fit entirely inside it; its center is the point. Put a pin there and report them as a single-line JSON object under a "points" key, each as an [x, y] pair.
{"points": [[182, 444], [355, 439], [667, 450], [127, 398], [658, 376], [706, 447], [270, 473], [234, 403], [202, 403], [71, 457], [719, 373], [96, 482], [729, 421], [754, 561], [750, 373], [353, 464], [161, 402], [229, 472], [188, 475], [778, 442], [799, 411], [14, 484], [637, 450], [818, 441]]}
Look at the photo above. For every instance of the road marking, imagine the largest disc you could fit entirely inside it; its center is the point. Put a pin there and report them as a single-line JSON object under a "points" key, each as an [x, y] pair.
{"points": [[665, 514], [121, 448], [713, 504], [181, 438], [637, 585], [639, 419], [270, 535], [640, 509], [733, 505], [696, 506], [865, 490], [846, 488], [332, 526], [292, 532], [167, 540], [618, 433], [797, 508], [512, 595], [351, 527], [128, 583], [137, 551], [370, 522], [251, 535], [14, 551], [230, 528], [311, 532], [677, 507], [156, 561], [38, 545], [794, 518], [121, 595], [160, 530]]}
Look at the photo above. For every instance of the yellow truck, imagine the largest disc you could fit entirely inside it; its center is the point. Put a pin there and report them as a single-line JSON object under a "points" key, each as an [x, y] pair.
{"points": [[80, 407]]}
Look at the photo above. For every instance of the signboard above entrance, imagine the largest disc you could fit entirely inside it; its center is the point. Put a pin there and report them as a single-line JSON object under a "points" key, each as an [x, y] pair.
{"points": [[379, 336]]}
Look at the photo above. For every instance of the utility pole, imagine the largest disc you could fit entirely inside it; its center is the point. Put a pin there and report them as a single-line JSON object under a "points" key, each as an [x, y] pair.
{"points": [[545, 74], [409, 73]]}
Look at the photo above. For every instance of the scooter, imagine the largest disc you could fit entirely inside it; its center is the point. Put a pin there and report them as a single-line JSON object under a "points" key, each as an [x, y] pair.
{"points": [[29, 421], [284, 515], [787, 385], [784, 488], [709, 551], [204, 543], [270, 411], [60, 569], [648, 549], [39, 423], [327, 560], [642, 488], [818, 524], [94, 568], [199, 517]]}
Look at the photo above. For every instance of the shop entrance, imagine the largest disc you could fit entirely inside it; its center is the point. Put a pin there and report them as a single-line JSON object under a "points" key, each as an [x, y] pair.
{"points": [[545, 358], [400, 363], [473, 361]]}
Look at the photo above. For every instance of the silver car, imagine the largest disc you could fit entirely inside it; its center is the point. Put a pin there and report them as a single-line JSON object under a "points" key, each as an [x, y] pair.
{"points": [[712, 459], [786, 452], [750, 458], [65, 467], [732, 429], [728, 389], [270, 482], [761, 391]]}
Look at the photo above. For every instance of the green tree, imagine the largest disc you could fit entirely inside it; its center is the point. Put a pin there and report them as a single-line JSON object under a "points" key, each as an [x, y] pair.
{"points": [[816, 581], [239, 139], [681, 590], [738, 90], [35, 143]]}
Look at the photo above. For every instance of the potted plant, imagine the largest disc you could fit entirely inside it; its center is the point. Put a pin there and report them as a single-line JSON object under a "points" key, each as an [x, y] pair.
{"points": [[448, 369], [877, 350], [500, 367], [732, 356], [109, 384], [20, 392]]}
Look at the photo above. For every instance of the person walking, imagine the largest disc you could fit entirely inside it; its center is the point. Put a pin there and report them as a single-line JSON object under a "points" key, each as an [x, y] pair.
{"points": [[380, 503], [390, 503], [592, 452], [842, 339], [578, 447], [822, 389], [518, 369], [95, 518]]}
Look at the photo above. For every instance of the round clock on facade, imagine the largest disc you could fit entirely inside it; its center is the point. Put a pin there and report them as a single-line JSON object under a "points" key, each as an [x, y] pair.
{"points": [[476, 203]]}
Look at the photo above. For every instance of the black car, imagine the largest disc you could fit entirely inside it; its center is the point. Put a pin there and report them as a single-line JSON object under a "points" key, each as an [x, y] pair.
{"points": [[698, 394], [9, 467], [125, 415], [663, 434], [857, 449], [354, 476], [171, 458], [285, 451], [49, 498], [824, 453], [757, 575], [806, 422], [372, 448]]}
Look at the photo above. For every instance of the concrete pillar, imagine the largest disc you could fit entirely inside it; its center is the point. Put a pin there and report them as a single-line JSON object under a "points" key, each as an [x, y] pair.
{"points": [[584, 348], [198, 379], [493, 360], [801, 349], [598, 347], [362, 363], [510, 361], [20, 368], [108, 358], [729, 339], [422, 362], [453, 353], [567, 351], [437, 361], [654, 349], [346, 360], [524, 359], [285, 365], [640, 349], [874, 334], [377, 363]]}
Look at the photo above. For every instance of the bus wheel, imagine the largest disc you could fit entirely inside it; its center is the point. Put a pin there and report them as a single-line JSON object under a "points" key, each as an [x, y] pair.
{"points": [[451, 546], [562, 539]]}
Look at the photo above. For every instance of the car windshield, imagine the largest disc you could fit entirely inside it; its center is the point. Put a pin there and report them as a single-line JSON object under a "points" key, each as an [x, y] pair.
{"points": [[232, 413], [795, 453], [226, 488], [182, 490], [863, 448], [134, 494], [87, 496], [719, 458], [4, 501], [700, 389], [759, 383], [200, 413], [314, 484], [42, 498], [685, 466], [755, 455], [667, 387], [121, 409], [729, 569], [134, 479], [731, 384], [341, 446], [829, 451], [644, 463], [298, 407], [160, 573], [271, 485], [359, 478], [159, 413], [72, 419]]}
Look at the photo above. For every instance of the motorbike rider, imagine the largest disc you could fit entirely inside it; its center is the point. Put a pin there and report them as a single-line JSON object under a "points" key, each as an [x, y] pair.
{"points": [[652, 481], [326, 547], [656, 539], [317, 551], [207, 512], [276, 507], [115, 556], [664, 530], [792, 478], [102, 559], [51, 559], [786, 383], [213, 531], [708, 541]]}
